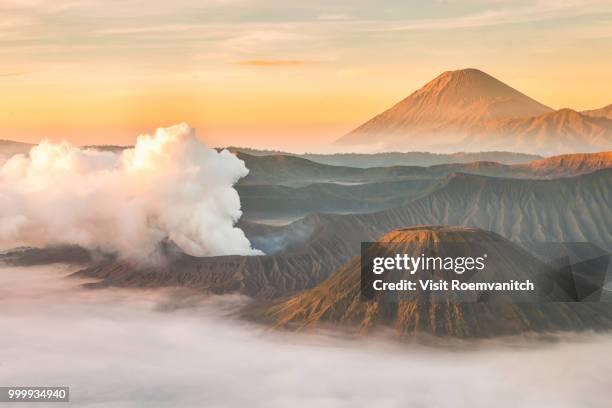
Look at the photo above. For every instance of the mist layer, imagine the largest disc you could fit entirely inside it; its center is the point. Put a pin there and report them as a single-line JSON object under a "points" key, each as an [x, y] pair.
{"points": [[120, 348]]}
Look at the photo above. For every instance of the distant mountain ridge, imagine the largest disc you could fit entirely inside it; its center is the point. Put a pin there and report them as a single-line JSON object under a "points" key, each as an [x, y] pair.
{"points": [[296, 171], [470, 110], [605, 112], [564, 130], [577, 163], [390, 158], [9, 148], [280, 189]]}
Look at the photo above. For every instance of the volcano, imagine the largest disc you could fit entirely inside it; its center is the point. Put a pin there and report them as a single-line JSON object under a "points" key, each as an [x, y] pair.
{"points": [[447, 109], [337, 300], [469, 110]]}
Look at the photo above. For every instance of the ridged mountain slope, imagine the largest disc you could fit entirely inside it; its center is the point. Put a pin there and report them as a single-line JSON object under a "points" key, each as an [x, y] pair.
{"points": [[337, 300], [556, 132], [605, 112]]}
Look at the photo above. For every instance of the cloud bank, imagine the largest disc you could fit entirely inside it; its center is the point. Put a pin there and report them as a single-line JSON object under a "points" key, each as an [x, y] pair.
{"points": [[170, 186], [122, 348]]}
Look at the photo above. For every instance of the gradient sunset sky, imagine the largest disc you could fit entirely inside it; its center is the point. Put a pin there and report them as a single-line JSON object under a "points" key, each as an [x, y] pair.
{"points": [[278, 74]]}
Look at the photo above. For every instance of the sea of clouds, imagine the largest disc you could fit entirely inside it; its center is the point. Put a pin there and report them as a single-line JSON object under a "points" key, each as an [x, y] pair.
{"points": [[126, 348]]}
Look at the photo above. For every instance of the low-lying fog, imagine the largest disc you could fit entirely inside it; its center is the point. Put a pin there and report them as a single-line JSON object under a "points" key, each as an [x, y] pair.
{"points": [[136, 348]]}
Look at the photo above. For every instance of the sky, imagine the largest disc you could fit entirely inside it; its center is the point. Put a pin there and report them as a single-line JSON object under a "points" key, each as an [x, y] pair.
{"points": [[276, 74]]}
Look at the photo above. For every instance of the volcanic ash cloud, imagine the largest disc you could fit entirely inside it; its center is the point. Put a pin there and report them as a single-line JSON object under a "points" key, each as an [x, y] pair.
{"points": [[169, 186]]}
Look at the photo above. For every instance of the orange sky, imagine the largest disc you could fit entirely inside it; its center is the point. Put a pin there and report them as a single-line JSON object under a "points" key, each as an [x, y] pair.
{"points": [[269, 74]]}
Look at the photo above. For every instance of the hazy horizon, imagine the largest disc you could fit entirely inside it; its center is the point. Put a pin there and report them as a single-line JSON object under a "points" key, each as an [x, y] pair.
{"points": [[275, 75]]}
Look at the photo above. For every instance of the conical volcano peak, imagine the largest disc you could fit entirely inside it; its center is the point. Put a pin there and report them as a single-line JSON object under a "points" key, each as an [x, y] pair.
{"points": [[338, 300], [485, 95], [444, 111], [468, 72], [470, 82]]}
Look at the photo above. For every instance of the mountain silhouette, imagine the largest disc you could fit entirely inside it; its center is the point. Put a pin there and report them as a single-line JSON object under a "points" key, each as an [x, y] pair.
{"points": [[469, 110]]}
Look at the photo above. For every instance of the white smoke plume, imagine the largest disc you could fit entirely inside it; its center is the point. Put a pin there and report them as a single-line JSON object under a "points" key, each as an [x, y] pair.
{"points": [[169, 186]]}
